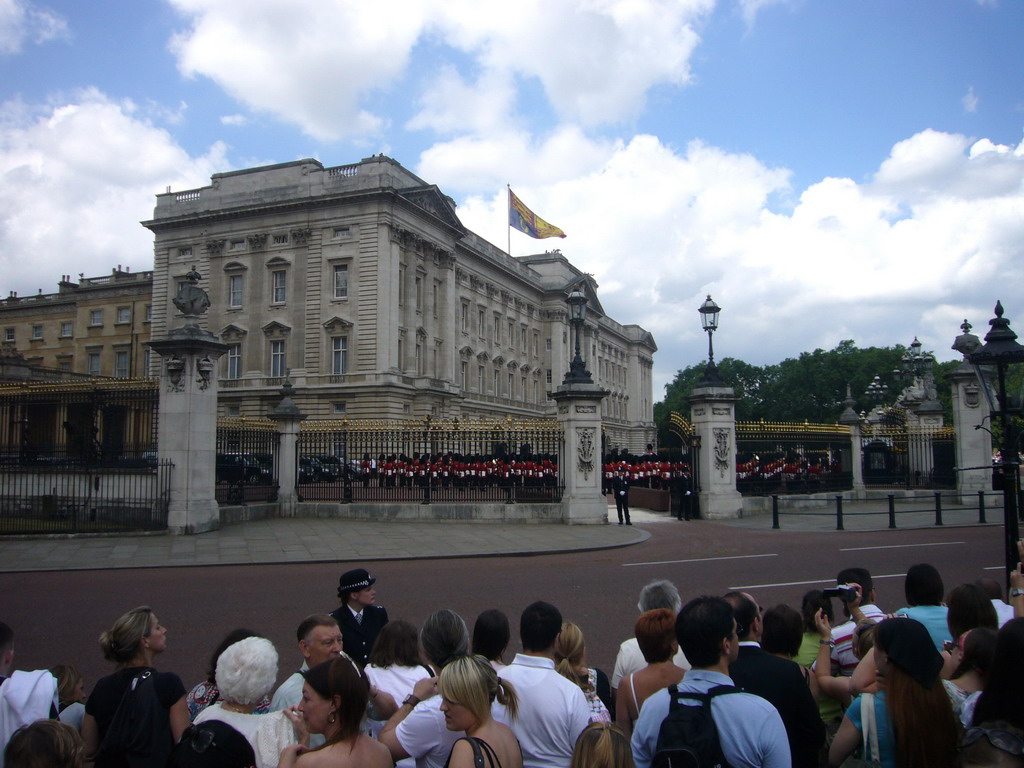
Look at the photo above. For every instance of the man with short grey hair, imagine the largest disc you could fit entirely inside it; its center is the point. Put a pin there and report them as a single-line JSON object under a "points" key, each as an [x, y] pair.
{"points": [[660, 593]]}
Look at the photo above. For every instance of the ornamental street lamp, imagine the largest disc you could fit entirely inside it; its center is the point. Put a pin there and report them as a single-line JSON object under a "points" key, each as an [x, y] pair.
{"points": [[876, 391], [578, 373], [1000, 351], [709, 321]]}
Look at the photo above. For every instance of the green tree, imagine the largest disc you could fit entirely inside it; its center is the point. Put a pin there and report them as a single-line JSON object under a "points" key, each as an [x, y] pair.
{"points": [[810, 387]]}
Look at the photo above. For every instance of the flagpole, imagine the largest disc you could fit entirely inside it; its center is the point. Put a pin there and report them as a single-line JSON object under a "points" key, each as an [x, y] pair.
{"points": [[508, 223]]}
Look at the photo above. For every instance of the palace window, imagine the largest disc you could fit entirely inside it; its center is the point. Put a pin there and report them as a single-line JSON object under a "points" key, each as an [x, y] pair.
{"points": [[339, 355]]}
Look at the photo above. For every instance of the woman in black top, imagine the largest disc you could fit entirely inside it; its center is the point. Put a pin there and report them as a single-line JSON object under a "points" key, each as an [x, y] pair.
{"points": [[132, 643]]}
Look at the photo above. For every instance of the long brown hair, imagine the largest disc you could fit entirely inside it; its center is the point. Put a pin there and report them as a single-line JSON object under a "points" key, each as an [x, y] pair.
{"points": [[924, 727]]}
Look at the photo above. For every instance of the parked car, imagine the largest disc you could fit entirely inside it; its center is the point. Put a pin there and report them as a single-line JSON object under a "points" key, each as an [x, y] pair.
{"points": [[310, 470], [331, 468], [238, 468]]}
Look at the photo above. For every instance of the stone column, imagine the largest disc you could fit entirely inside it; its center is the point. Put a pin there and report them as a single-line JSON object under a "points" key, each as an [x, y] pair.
{"points": [[289, 421], [579, 411], [850, 418], [970, 412], [188, 414], [713, 415], [973, 445]]}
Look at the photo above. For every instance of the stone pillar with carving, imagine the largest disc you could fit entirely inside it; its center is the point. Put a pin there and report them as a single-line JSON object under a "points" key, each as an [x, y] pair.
{"points": [[850, 418], [188, 413], [713, 415], [579, 411], [970, 414], [289, 421]]}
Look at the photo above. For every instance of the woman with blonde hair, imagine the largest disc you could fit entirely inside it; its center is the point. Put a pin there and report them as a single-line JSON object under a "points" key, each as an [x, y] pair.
{"points": [[134, 641], [602, 745], [571, 663], [334, 698], [469, 686], [70, 693]]}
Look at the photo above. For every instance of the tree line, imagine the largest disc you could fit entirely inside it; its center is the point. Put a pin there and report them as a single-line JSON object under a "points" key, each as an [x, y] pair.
{"points": [[810, 387]]}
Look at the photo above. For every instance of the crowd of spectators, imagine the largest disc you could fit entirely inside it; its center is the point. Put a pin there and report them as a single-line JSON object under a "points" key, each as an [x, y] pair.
{"points": [[936, 682]]}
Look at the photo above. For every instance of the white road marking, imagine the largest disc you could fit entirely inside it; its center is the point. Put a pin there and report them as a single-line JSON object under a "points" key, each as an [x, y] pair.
{"points": [[697, 560], [901, 546], [813, 581]]}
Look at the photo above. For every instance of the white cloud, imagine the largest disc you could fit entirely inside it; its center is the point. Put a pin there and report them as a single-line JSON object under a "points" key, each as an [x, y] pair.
{"points": [[235, 120], [970, 101], [78, 177], [931, 240], [22, 21], [308, 62], [318, 63], [595, 60]]}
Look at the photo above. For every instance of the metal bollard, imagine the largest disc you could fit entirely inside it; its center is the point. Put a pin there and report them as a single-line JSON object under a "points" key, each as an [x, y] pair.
{"points": [[775, 512], [892, 510], [938, 508], [981, 507], [839, 513]]}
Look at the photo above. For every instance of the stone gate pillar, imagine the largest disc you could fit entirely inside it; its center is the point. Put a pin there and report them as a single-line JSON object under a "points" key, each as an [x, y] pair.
{"points": [[579, 411], [188, 413], [289, 421], [970, 414], [850, 418], [713, 415]]}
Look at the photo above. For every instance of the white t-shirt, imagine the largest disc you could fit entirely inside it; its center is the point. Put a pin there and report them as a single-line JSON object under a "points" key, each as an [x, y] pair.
{"points": [[424, 736], [552, 711], [631, 659], [399, 682]]}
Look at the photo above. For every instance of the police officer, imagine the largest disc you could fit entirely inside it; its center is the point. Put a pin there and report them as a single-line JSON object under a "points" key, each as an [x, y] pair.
{"points": [[359, 616]]}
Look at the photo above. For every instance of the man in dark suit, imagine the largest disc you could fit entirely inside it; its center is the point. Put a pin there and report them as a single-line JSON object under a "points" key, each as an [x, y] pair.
{"points": [[358, 616], [620, 487], [778, 680]]}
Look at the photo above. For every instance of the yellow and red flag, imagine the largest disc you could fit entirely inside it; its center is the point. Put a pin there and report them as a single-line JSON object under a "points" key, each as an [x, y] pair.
{"points": [[522, 218]]}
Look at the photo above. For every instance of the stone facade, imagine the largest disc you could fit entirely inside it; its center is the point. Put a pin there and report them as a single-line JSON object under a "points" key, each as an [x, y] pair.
{"points": [[97, 326], [360, 284]]}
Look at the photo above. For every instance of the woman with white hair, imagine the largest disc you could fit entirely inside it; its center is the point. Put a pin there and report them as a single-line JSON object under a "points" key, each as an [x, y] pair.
{"points": [[246, 671]]}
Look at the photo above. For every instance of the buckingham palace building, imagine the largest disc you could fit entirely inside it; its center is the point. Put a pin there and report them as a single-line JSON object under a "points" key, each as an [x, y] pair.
{"points": [[360, 285]]}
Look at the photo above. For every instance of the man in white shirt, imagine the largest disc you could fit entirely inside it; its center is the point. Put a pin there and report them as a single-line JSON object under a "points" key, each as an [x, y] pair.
{"points": [[1004, 612], [658, 594], [319, 640], [552, 710]]}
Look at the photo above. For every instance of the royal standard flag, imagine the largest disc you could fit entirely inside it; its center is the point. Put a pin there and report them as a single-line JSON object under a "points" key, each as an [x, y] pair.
{"points": [[525, 220]]}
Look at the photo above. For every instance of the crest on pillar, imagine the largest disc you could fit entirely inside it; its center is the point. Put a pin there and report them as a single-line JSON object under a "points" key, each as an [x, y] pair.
{"points": [[585, 450]]}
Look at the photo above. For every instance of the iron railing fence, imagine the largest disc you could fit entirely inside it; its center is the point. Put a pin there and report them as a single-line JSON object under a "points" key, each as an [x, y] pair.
{"points": [[792, 458], [80, 423], [430, 461], [78, 499], [246, 467], [901, 456]]}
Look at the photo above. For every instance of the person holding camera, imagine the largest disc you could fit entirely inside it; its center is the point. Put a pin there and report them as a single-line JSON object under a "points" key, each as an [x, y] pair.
{"points": [[856, 592]]}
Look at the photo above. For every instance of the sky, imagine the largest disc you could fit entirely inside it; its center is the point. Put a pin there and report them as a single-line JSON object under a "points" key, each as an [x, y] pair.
{"points": [[825, 169]]}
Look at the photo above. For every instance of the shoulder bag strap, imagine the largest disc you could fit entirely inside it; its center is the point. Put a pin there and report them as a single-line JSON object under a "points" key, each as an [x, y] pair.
{"points": [[867, 718], [480, 748]]}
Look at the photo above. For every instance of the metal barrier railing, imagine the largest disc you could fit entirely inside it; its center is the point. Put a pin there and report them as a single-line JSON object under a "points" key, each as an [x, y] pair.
{"points": [[934, 507], [64, 499]]}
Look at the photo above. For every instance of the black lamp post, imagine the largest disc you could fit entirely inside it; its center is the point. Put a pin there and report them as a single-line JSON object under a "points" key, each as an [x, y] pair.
{"points": [[578, 373], [999, 352], [876, 391], [709, 321]]}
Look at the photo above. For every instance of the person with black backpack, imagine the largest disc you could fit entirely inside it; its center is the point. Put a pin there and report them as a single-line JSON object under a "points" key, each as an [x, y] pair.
{"points": [[135, 716], [705, 720]]}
